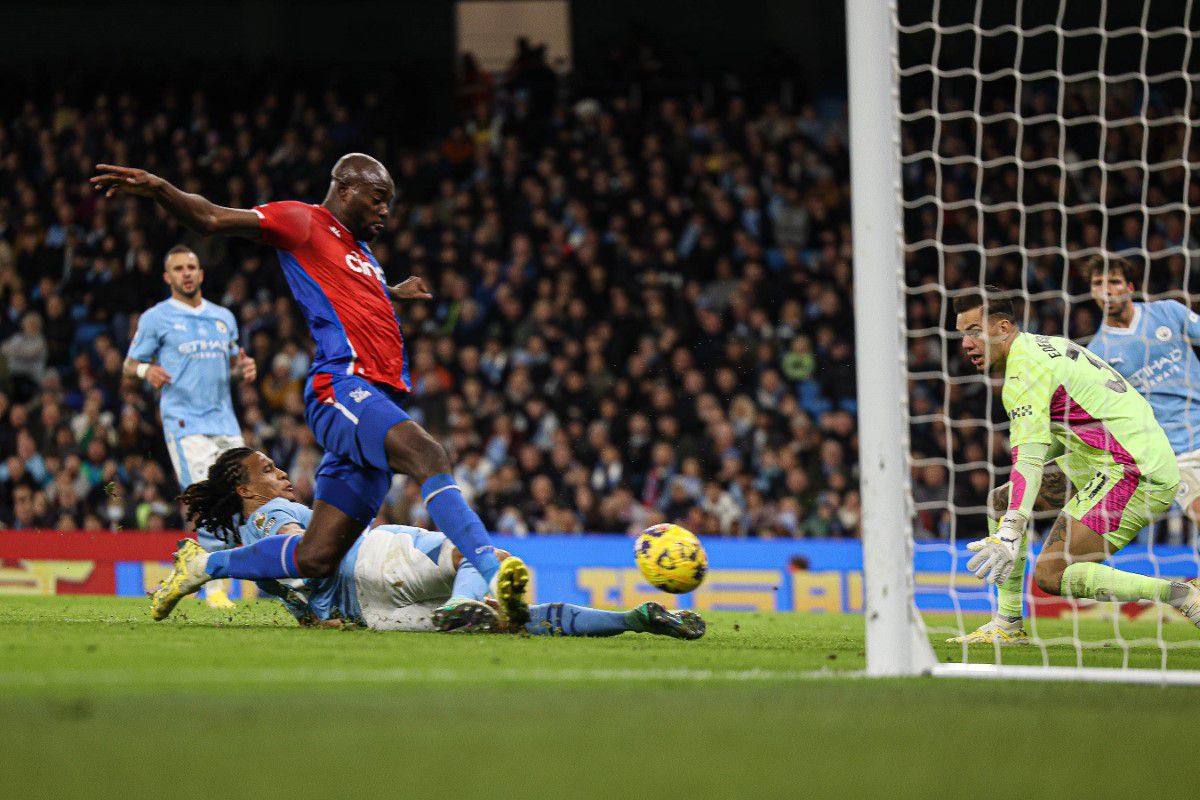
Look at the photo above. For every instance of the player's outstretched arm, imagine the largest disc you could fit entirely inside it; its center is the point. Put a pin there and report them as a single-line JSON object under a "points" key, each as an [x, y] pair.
{"points": [[192, 210]]}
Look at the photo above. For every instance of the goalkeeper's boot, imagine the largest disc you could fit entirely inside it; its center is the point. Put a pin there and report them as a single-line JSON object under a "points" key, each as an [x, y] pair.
{"points": [[508, 586], [462, 615], [216, 597], [653, 618], [186, 577], [996, 631], [1185, 597]]}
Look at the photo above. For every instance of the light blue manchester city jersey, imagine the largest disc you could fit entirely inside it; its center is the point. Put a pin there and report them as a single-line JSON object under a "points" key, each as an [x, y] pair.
{"points": [[1155, 355], [194, 346], [326, 598]]}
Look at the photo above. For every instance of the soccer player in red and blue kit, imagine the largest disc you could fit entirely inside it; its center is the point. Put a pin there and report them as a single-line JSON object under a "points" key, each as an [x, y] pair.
{"points": [[354, 389]]}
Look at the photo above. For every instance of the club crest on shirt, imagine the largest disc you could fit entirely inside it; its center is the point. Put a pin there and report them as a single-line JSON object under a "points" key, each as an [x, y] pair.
{"points": [[1163, 333], [260, 520], [222, 327]]}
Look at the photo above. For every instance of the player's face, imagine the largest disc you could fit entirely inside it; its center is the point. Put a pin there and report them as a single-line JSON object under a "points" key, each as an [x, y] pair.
{"points": [[983, 339], [1112, 293], [264, 480], [183, 274], [368, 205]]}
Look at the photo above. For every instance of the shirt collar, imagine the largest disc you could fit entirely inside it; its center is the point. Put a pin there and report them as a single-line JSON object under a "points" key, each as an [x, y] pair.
{"points": [[185, 307], [1133, 323]]}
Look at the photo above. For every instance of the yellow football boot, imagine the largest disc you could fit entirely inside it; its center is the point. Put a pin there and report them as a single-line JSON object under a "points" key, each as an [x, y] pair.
{"points": [[508, 587], [186, 576], [994, 632], [216, 597]]}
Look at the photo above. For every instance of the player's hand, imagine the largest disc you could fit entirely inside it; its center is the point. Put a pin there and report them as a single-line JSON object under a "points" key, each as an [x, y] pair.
{"points": [[247, 367], [994, 557], [157, 377], [112, 180], [413, 288]]}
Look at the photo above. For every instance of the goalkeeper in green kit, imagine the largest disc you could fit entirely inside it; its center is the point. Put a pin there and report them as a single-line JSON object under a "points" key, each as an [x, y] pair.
{"points": [[1067, 406]]}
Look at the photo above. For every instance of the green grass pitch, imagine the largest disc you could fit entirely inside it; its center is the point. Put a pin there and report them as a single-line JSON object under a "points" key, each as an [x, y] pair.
{"points": [[97, 701]]}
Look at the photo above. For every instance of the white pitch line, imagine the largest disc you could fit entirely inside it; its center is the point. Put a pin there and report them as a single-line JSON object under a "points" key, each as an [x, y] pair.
{"points": [[393, 675]]}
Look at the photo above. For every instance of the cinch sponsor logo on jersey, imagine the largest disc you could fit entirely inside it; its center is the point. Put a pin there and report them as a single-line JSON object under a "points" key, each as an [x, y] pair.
{"points": [[1159, 369], [358, 264]]}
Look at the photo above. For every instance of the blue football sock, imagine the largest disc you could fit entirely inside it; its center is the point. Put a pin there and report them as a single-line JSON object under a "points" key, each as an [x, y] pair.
{"points": [[450, 512], [468, 583], [272, 557], [565, 619]]}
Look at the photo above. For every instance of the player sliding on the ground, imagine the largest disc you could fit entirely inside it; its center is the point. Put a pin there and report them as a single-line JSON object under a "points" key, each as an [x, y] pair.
{"points": [[395, 577], [354, 389], [1063, 402]]}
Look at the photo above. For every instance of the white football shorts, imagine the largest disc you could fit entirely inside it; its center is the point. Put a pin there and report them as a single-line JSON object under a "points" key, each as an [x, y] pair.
{"points": [[399, 586]]}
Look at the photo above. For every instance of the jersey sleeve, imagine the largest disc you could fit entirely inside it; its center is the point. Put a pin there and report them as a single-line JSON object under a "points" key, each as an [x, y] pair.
{"points": [[285, 225], [277, 516], [1026, 398], [147, 339], [1189, 322], [233, 336]]}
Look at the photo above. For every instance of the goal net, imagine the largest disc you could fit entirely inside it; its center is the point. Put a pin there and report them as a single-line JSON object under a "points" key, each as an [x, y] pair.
{"points": [[1026, 138]]}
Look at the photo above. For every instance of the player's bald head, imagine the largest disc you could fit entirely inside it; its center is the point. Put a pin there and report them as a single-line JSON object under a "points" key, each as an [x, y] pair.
{"points": [[360, 169]]}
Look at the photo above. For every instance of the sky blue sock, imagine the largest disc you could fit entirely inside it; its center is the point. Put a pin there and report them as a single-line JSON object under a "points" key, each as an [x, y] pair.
{"points": [[272, 557], [450, 512], [565, 619], [468, 583]]}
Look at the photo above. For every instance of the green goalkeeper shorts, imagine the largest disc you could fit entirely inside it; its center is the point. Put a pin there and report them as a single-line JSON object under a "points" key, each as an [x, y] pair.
{"points": [[1118, 502]]}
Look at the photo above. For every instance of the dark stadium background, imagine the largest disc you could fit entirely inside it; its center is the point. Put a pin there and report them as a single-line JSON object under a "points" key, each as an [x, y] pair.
{"points": [[673, 342]]}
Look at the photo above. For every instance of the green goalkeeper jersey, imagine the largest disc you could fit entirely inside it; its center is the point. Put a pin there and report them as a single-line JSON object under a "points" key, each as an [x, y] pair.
{"points": [[1063, 396]]}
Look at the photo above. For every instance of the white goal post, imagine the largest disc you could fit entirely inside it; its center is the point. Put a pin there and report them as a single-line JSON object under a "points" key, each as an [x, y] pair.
{"points": [[1146, 88]]}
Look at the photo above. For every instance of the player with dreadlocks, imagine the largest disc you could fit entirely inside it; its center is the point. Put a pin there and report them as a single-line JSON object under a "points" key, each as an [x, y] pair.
{"points": [[395, 577]]}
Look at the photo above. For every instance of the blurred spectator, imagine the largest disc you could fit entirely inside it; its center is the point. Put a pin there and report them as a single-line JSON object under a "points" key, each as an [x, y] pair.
{"points": [[639, 314]]}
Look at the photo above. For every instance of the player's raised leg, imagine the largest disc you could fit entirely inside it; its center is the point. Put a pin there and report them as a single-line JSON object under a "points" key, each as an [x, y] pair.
{"points": [[413, 452]]}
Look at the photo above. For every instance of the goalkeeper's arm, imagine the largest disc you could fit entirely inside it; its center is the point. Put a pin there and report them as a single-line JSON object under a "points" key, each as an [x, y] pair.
{"points": [[1029, 462]]}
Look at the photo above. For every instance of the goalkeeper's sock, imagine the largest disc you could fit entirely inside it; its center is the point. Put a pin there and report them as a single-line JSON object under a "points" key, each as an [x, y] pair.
{"points": [[1010, 593], [450, 512], [272, 557], [565, 619], [468, 584], [1099, 582]]}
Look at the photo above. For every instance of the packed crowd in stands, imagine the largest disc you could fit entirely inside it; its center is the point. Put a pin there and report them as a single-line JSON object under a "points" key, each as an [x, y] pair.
{"points": [[640, 314], [1047, 272]]}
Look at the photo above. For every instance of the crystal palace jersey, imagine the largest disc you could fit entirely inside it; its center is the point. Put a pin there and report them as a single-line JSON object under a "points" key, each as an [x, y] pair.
{"points": [[341, 289], [1155, 355], [1060, 395]]}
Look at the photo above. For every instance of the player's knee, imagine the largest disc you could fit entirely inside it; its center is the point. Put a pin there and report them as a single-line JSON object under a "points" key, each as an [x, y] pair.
{"points": [[427, 459], [413, 452], [1048, 576]]}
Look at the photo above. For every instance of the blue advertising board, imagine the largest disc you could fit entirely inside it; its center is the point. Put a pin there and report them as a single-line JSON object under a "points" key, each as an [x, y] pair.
{"points": [[811, 575]]}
